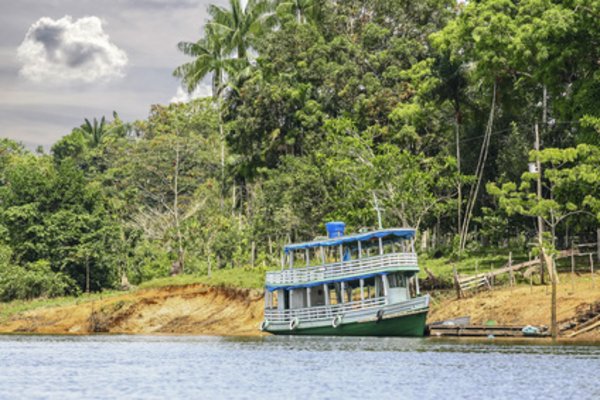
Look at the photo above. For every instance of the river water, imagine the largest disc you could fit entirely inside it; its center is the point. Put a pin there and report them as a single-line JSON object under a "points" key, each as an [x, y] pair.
{"points": [[184, 367]]}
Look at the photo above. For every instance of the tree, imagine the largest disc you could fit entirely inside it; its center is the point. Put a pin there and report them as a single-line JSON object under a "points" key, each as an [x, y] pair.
{"points": [[303, 10], [210, 57], [571, 180], [239, 25], [165, 170]]}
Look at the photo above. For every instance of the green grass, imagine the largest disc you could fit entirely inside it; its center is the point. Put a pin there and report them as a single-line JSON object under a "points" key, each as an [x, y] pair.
{"points": [[481, 262], [253, 278]]}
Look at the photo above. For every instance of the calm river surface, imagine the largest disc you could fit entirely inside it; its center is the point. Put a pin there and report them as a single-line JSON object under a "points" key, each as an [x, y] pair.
{"points": [[183, 367]]}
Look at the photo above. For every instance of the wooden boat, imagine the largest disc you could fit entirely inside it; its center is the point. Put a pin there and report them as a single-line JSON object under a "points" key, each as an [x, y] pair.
{"points": [[364, 284]]}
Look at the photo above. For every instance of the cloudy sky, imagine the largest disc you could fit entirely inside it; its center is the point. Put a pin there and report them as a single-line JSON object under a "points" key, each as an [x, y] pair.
{"points": [[65, 60]]}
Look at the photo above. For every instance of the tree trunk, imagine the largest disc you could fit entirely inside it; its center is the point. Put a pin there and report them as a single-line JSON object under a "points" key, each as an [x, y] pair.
{"points": [[180, 252]]}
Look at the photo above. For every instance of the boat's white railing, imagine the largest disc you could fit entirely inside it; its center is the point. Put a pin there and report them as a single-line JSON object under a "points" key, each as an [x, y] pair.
{"points": [[341, 269], [328, 312]]}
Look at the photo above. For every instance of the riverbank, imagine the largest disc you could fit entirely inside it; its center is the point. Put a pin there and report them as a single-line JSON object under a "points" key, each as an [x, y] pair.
{"points": [[185, 309], [217, 310]]}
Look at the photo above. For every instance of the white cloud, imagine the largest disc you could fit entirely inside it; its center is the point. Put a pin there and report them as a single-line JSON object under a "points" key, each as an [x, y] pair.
{"points": [[182, 96], [64, 51]]}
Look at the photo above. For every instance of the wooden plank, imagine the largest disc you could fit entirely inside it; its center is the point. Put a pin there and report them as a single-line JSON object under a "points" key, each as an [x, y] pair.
{"points": [[586, 329]]}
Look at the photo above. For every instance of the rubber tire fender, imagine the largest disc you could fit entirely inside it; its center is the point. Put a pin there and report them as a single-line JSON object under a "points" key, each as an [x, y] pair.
{"points": [[336, 321], [264, 325], [294, 323]]}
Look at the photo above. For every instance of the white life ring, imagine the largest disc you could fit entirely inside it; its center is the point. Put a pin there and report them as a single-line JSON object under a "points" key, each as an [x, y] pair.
{"points": [[336, 321], [294, 323], [264, 325]]}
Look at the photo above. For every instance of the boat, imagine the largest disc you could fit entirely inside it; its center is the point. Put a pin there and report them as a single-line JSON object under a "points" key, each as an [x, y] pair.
{"points": [[364, 284]]}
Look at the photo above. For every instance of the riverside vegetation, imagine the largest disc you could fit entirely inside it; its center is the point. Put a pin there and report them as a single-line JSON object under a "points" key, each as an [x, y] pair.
{"points": [[320, 110]]}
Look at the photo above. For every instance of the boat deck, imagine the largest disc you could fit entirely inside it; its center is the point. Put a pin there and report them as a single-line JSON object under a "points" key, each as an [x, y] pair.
{"points": [[343, 270]]}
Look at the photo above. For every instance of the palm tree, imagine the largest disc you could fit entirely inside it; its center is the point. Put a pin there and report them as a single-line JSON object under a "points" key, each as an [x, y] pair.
{"points": [[94, 131], [303, 10], [209, 57], [241, 25]]}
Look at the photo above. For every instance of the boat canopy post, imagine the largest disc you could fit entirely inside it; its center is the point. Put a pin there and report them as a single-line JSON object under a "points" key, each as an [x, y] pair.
{"points": [[386, 285], [326, 291], [380, 246], [322, 254], [307, 257], [359, 250], [308, 297], [291, 259], [342, 288], [341, 254], [362, 290], [417, 283], [282, 260]]}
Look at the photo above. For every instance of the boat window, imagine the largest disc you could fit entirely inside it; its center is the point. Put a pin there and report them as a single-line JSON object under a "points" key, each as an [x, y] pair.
{"points": [[397, 279]]}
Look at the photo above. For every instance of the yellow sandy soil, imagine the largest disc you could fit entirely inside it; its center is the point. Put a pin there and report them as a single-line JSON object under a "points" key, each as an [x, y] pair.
{"points": [[522, 305], [200, 309], [193, 309]]}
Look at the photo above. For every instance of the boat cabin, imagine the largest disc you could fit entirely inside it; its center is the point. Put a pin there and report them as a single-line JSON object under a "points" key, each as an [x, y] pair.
{"points": [[361, 270]]}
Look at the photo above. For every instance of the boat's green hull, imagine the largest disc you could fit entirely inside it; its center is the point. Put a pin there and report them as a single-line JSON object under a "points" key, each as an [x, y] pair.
{"points": [[405, 325]]}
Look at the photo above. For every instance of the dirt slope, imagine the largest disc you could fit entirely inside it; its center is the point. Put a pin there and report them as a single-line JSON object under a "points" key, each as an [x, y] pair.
{"points": [[522, 305], [193, 309]]}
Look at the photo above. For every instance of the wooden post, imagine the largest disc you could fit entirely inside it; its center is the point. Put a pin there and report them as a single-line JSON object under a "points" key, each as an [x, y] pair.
{"points": [[531, 282], [456, 283], [572, 269], [253, 253], [592, 269], [492, 277], [511, 277], [598, 244], [539, 198]]}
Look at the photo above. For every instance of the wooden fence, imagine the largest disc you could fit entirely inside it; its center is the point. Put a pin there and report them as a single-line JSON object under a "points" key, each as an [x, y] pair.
{"points": [[486, 280]]}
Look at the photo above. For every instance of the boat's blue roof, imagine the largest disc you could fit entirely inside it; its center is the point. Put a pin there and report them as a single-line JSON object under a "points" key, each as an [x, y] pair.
{"points": [[405, 233]]}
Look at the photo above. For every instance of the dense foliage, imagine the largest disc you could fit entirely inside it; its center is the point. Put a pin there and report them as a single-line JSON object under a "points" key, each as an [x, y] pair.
{"points": [[322, 110]]}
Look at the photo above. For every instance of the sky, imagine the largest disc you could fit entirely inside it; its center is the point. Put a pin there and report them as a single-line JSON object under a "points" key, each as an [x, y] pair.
{"points": [[65, 60]]}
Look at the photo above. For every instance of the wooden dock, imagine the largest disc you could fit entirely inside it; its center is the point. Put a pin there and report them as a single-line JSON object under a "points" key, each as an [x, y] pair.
{"points": [[438, 330]]}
